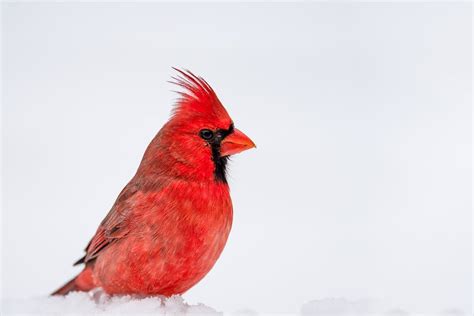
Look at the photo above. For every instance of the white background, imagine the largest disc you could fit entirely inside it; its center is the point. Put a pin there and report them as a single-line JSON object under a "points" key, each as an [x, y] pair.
{"points": [[361, 182]]}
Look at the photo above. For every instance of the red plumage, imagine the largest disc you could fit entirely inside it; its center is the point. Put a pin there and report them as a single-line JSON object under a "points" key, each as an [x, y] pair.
{"points": [[170, 223]]}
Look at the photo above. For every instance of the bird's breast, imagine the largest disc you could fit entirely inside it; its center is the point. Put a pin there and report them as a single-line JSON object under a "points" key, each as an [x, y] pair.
{"points": [[176, 238]]}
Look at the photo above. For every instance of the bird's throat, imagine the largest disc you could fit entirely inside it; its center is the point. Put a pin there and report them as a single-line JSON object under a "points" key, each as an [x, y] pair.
{"points": [[220, 163]]}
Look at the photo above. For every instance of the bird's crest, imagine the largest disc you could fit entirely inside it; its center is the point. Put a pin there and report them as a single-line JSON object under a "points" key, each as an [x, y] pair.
{"points": [[198, 98]]}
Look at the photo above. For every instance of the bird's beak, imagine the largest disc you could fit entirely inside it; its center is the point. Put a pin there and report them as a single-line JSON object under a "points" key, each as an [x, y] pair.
{"points": [[236, 143]]}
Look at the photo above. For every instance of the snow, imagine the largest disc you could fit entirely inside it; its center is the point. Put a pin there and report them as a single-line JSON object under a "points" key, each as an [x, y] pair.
{"points": [[92, 304], [338, 306], [83, 304], [344, 307]]}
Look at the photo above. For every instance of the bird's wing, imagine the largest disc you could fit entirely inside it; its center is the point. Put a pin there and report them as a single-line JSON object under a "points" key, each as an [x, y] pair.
{"points": [[113, 227]]}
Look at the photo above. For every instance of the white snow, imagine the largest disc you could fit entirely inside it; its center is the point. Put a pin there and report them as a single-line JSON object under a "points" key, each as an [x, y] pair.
{"points": [[338, 306], [372, 307], [82, 304], [92, 304]]}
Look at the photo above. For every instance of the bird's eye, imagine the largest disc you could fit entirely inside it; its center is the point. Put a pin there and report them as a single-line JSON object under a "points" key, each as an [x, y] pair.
{"points": [[206, 134]]}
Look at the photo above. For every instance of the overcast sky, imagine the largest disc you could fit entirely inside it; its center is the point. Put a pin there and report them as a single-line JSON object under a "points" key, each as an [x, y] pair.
{"points": [[361, 182]]}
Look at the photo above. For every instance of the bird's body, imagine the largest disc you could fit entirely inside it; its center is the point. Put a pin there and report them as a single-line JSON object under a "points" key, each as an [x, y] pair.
{"points": [[171, 222]]}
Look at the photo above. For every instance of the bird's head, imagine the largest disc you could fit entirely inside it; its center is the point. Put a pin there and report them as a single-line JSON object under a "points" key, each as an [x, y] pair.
{"points": [[200, 135]]}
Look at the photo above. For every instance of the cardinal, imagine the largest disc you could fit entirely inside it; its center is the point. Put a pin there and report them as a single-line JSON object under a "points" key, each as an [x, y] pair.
{"points": [[170, 223]]}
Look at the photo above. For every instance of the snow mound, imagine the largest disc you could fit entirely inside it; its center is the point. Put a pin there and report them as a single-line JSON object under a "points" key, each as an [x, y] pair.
{"points": [[370, 307], [344, 307], [97, 303], [83, 304]]}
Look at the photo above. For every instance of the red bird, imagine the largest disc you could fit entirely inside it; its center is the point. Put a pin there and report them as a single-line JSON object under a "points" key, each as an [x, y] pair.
{"points": [[170, 223]]}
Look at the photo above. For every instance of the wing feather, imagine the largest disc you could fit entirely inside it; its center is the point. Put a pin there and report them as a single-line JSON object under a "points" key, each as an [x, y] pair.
{"points": [[113, 227]]}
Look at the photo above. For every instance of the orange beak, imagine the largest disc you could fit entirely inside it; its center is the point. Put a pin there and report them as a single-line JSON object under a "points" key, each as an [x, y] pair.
{"points": [[235, 143]]}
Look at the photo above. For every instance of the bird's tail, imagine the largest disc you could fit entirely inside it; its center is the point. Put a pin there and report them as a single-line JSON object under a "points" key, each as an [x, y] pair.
{"points": [[66, 288], [83, 282]]}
